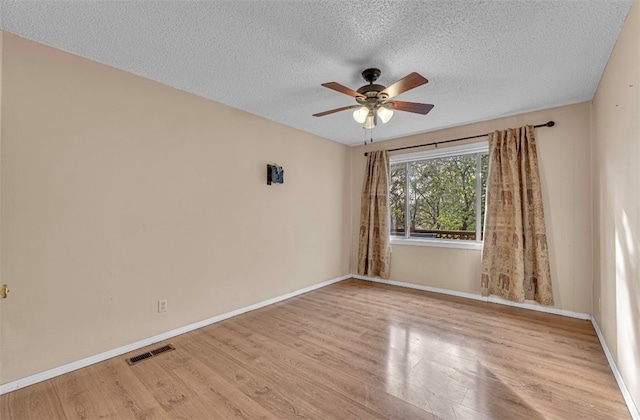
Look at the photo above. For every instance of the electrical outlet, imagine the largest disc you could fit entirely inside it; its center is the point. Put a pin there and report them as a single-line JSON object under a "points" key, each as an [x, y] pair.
{"points": [[162, 305]]}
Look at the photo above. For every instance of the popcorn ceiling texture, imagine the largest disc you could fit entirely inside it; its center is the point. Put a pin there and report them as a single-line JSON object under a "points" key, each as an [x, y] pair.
{"points": [[483, 59]]}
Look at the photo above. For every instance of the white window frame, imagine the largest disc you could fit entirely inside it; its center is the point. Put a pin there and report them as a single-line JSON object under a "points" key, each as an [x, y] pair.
{"points": [[467, 149]]}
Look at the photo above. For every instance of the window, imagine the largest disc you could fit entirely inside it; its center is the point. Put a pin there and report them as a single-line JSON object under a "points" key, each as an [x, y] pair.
{"points": [[437, 197]]}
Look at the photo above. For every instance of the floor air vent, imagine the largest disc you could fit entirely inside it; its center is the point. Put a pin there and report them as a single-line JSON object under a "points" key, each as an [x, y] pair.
{"points": [[139, 358]]}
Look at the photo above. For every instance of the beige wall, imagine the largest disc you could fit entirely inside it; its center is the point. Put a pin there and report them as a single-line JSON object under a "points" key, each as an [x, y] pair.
{"points": [[616, 191], [564, 158], [118, 191]]}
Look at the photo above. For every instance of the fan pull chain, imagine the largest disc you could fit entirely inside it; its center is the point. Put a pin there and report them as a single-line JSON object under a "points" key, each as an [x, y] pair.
{"points": [[370, 135]]}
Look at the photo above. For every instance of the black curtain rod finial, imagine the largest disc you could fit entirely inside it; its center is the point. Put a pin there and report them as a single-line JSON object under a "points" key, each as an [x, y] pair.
{"points": [[436, 143]]}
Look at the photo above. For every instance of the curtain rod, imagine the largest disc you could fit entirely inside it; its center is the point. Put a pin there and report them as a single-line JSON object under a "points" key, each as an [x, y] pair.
{"points": [[548, 124]]}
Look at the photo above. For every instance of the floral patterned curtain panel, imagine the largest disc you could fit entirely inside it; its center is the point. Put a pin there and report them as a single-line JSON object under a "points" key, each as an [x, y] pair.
{"points": [[374, 248], [515, 257]]}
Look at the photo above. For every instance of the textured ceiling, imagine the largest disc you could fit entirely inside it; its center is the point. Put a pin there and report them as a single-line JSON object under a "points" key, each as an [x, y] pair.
{"points": [[483, 59]]}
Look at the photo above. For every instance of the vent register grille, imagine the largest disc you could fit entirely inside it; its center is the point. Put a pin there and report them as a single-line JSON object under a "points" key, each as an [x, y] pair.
{"points": [[144, 356]]}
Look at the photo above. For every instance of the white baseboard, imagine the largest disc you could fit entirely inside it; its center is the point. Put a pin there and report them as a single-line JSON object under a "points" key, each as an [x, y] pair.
{"points": [[492, 299], [635, 413], [60, 370]]}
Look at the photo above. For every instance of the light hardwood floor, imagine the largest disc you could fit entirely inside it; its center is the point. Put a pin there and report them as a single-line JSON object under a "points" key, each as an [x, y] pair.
{"points": [[351, 350]]}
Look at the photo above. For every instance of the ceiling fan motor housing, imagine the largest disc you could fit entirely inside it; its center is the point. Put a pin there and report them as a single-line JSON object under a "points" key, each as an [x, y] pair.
{"points": [[371, 92]]}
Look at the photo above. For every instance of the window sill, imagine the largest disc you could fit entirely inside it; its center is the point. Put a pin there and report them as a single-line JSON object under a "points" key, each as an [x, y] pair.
{"points": [[440, 243]]}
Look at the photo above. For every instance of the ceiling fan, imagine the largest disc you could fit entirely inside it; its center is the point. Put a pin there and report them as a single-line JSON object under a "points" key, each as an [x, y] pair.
{"points": [[373, 100]]}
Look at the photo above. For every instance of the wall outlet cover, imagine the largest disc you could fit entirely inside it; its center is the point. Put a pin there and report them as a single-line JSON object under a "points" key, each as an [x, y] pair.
{"points": [[162, 305]]}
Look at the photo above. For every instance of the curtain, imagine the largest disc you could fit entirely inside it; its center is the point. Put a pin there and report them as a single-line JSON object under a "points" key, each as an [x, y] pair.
{"points": [[515, 257], [374, 248]]}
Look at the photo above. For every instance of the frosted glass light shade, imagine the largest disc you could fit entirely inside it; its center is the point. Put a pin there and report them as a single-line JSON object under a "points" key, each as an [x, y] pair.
{"points": [[385, 114], [360, 114], [370, 121]]}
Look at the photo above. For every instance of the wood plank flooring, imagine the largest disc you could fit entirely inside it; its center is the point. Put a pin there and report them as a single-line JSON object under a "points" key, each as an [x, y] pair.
{"points": [[350, 350]]}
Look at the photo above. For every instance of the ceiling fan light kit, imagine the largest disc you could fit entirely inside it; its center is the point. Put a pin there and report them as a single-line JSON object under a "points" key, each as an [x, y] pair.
{"points": [[360, 114], [374, 100], [385, 113], [370, 121]]}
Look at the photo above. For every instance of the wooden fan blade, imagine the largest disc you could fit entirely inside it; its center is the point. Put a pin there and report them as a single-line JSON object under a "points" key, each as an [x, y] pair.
{"points": [[407, 83], [414, 107], [344, 108], [343, 89]]}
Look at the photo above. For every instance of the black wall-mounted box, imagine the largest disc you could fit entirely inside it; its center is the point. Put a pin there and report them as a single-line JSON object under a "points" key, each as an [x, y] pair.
{"points": [[275, 174]]}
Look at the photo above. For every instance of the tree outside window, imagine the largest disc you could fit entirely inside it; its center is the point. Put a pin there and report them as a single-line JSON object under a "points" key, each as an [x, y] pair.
{"points": [[437, 197]]}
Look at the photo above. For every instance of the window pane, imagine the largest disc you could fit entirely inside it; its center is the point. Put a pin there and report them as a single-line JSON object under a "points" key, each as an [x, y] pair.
{"points": [[442, 198], [484, 168], [396, 199]]}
